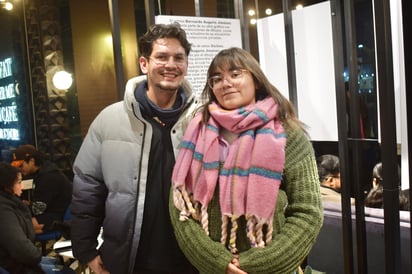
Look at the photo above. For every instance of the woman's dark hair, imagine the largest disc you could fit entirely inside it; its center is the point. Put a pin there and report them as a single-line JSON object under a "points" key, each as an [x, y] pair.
{"points": [[158, 31], [375, 198], [8, 176], [237, 58], [375, 195]]}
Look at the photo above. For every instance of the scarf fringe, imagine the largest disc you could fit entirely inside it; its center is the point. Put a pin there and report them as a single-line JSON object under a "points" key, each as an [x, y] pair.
{"points": [[183, 203], [254, 225], [255, 231]]}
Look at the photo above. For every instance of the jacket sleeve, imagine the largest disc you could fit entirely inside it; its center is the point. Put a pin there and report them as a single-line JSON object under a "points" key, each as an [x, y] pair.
{"points": [[88, 199], [303, 214], [15, 241]]}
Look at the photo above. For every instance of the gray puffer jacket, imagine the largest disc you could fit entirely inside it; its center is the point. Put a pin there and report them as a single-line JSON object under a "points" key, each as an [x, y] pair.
{"points": [[110, 180]]}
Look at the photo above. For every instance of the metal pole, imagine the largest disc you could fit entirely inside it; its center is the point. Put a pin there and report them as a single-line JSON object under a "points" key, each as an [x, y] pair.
{"points": [[150, 12], [240, 14], [117, 46], [408, 85], [199, 8], [388, 135], [355, 138], [336, 11], [290, 54], [27, 48]]}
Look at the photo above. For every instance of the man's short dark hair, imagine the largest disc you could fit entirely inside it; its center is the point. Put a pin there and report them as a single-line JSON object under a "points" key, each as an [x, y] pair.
{"points": [[328, 165], [162, 31]]}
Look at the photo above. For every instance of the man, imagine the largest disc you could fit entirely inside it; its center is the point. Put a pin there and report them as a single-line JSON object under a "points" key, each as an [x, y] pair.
{"points": [[124, 166], [52, 190], [329, 171], [329, 177]]}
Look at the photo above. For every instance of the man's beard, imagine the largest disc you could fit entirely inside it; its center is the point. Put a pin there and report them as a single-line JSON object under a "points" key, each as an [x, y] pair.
{"points": [[167, 88]]}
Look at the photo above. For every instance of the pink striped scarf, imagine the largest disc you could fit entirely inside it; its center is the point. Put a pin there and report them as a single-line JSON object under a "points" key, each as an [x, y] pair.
{"points": [[250, 177]]}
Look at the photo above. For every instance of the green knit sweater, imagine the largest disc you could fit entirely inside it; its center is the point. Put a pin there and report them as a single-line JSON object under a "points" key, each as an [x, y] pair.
{"points": [[298, 219]]}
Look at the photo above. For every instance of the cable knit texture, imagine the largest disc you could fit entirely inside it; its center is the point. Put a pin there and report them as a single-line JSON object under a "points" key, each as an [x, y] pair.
{"points": [[298, 219]]}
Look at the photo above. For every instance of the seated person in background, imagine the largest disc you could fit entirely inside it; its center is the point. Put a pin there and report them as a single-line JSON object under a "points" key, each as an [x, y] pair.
{"points": [[18, 253], [375, 195], [329, 178], [52, 190]]}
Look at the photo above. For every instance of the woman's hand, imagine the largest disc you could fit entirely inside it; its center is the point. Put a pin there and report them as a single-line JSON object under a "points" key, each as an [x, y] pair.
{"points": [[97, 266], [234, 267]]}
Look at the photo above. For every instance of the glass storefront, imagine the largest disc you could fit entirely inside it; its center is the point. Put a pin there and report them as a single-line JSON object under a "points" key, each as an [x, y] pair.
{"points": [[16, 113], [34, 107]]}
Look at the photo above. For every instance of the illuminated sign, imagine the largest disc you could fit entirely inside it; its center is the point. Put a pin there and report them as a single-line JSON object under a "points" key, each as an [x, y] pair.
{"points": [[8, 107]]}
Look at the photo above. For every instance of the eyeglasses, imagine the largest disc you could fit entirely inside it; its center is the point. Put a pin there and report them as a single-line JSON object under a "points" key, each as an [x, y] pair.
{"points": [[234, 77], [331, 177], [163, 60]]}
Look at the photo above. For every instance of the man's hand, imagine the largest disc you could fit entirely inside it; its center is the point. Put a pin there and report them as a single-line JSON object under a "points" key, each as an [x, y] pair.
{"points": [[97, 266]]}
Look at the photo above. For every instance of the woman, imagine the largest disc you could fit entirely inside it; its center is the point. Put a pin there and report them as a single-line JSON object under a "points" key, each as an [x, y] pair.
{"points": [[245, 185], [18, 254], [374, 198]]}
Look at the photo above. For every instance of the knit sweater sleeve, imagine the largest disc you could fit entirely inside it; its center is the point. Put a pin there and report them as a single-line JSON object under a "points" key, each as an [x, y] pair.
{"points": [[303, 214], [207, 255]]}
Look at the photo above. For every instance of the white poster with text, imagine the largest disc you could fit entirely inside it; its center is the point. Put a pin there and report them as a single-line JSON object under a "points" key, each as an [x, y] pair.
{"points": [[208, 36]]}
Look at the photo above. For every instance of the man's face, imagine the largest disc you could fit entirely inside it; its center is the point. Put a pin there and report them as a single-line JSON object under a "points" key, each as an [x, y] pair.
{"points": [[333, 181], [167, 65], [28, 168]]}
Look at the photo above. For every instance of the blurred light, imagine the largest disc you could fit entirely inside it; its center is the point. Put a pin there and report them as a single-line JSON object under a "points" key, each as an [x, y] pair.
{"points": [[253, 21], [360, 46], [299, 6], [62, 80], [108, 39], [8, 6], [268, 11], [251, 12]]}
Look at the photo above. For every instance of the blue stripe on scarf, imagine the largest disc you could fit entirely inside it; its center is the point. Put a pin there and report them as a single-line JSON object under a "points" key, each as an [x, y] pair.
{"points": [[234, 171], [251, 133], [211, 165], [253, 170], [261, 115], [242, 111], [198, 156], [212, 128], [266, 173], [270, 131], [187, 145]]}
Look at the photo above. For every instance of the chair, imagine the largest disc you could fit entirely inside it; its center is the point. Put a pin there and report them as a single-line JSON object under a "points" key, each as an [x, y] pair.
{"points": [[53, 235]]}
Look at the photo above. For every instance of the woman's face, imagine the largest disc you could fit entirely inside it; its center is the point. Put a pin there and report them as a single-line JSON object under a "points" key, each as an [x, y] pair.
{"points": [[233, 88], [18, 186]]}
